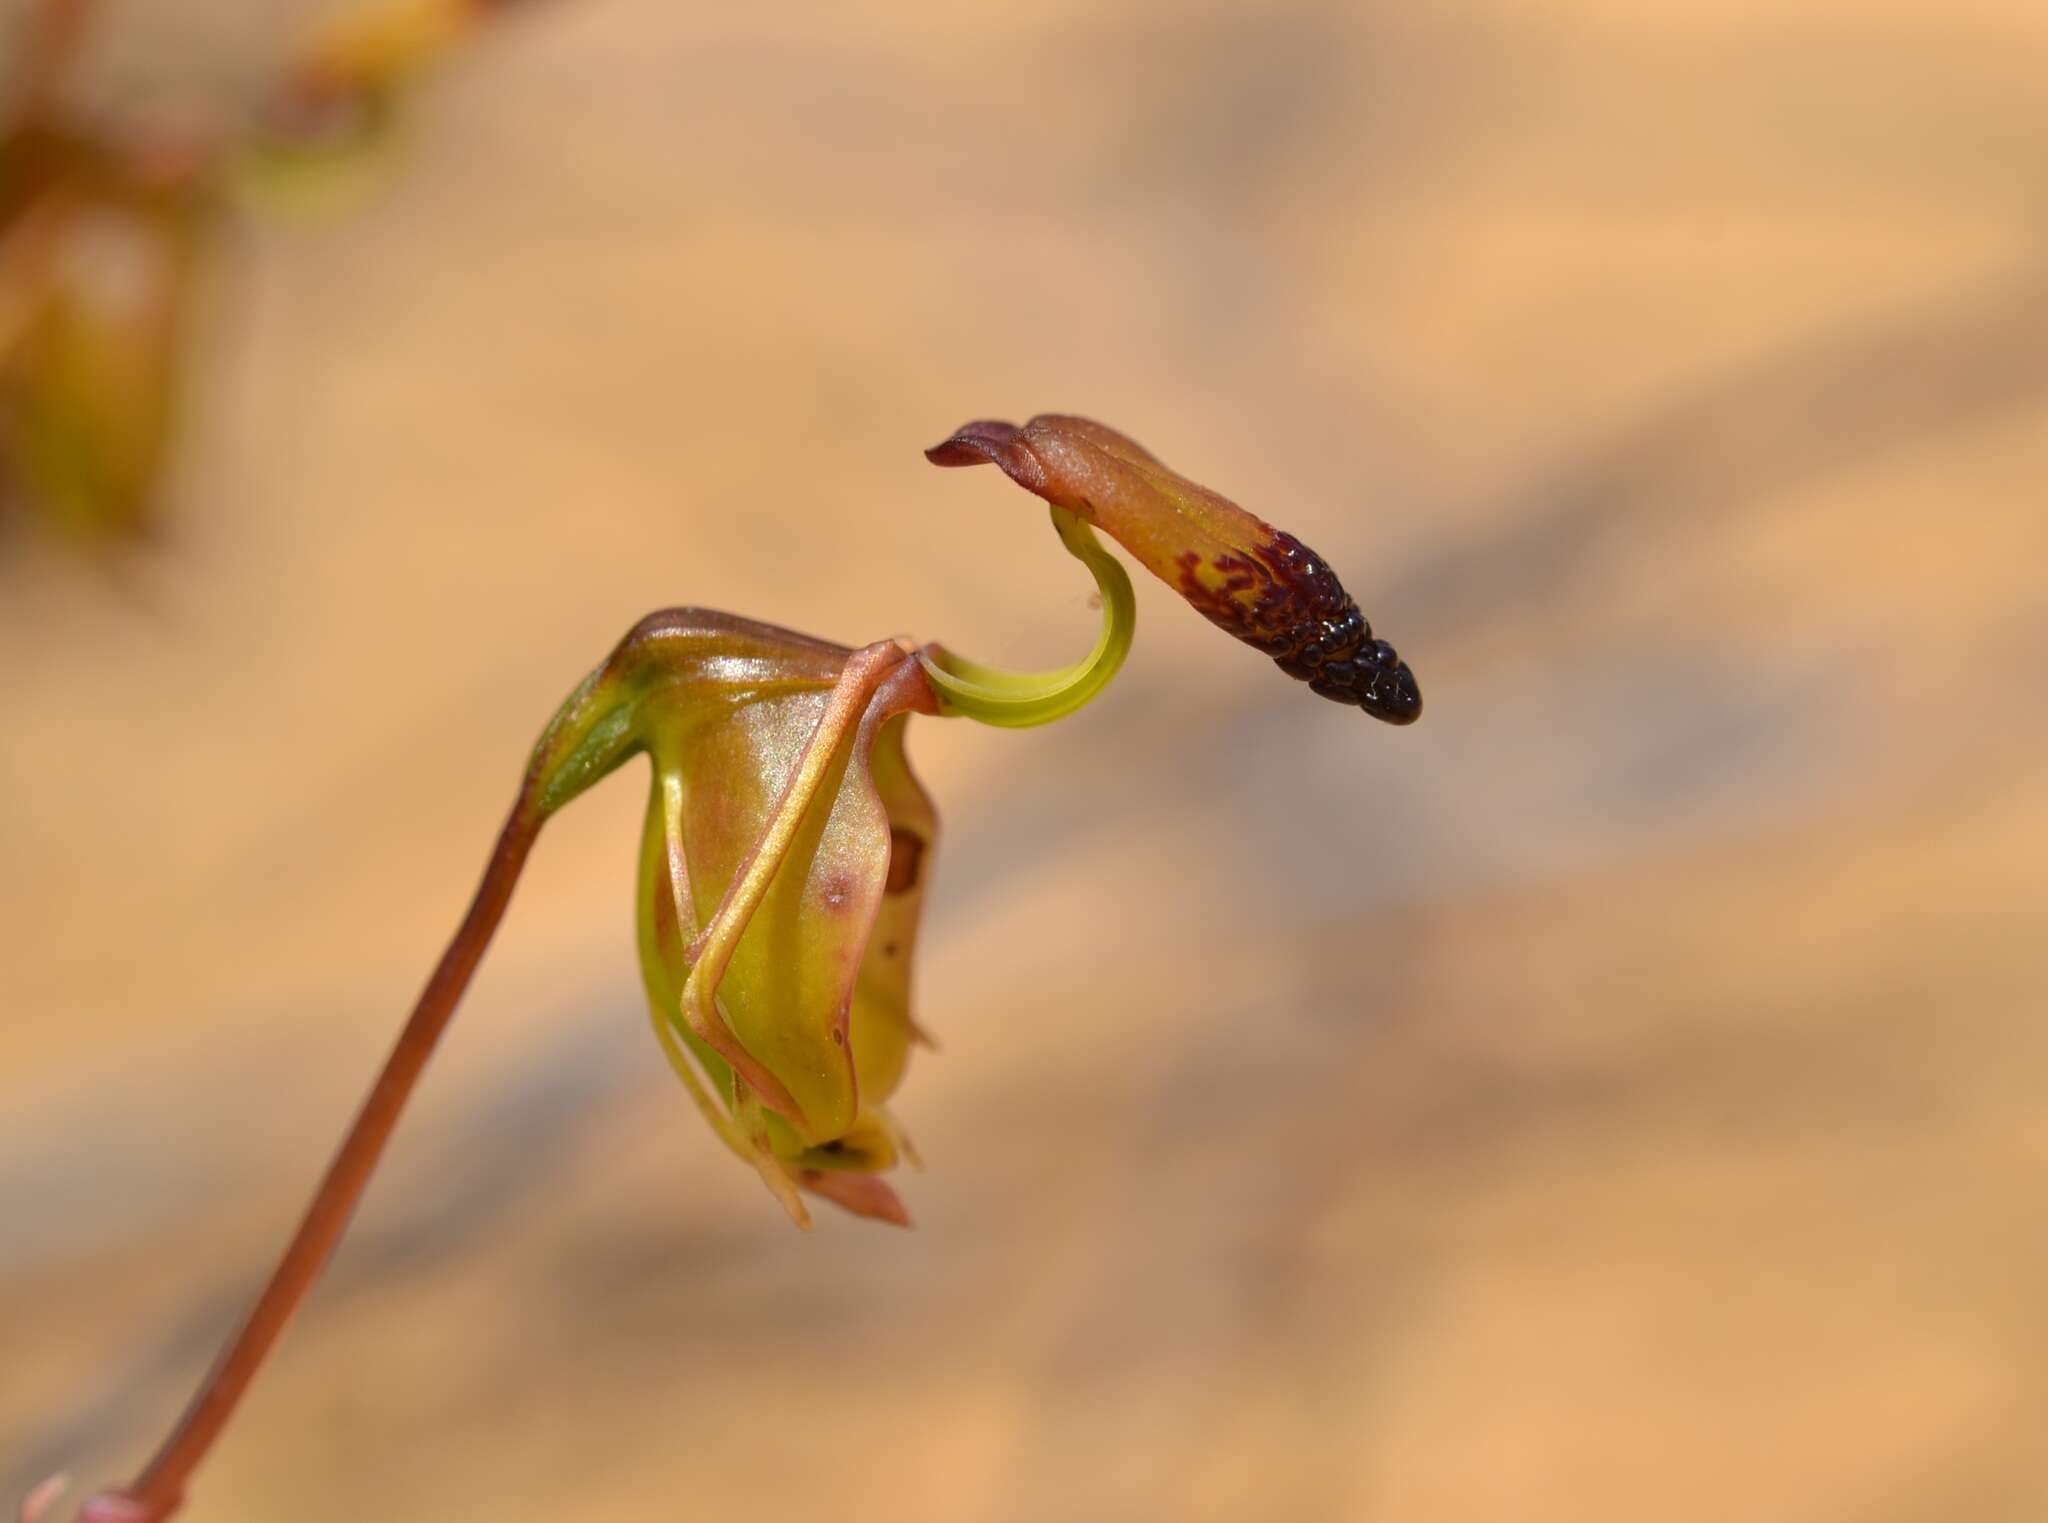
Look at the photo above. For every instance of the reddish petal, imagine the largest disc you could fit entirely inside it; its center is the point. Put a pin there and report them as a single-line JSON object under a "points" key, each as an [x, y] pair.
{"points": [[862, 1194]]}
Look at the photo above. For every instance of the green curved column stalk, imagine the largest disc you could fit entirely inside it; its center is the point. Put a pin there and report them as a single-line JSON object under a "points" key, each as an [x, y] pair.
{"points": [[1015, 700]]}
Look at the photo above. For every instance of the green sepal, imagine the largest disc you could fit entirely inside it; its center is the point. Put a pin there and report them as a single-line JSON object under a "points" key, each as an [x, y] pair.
{"points": [[591, 736]]}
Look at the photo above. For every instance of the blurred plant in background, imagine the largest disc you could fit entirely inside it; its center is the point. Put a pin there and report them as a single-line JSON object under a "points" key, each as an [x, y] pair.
{"points": [[105, 225]]}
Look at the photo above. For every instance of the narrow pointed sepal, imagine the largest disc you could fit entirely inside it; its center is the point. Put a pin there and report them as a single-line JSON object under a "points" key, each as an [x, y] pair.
{"points": [[866, 1195]]}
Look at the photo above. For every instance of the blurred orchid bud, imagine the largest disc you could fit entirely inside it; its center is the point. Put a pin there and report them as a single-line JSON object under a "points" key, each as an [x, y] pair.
{"points": [[379, 44], [782, 871], [330, 136], [98, 253], [1259, 583]]}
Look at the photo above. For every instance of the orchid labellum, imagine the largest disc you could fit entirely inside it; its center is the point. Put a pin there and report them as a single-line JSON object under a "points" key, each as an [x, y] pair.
{"points": [[788, 846]]}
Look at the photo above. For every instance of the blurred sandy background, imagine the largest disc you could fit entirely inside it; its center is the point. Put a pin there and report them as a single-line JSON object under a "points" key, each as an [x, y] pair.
{"points": [[1618, 1097]]}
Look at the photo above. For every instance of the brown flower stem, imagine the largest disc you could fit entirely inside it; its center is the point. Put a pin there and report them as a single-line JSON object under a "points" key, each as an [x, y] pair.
{"points": [[159, 1489]]}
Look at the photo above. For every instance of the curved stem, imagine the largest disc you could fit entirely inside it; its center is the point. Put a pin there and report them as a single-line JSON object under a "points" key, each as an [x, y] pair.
{"points": [[158, 1490], [1014, 700]]}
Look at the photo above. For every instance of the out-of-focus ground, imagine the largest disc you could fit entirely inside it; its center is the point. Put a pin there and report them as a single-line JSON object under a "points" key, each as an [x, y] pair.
{"points": [[1619, 1097]]}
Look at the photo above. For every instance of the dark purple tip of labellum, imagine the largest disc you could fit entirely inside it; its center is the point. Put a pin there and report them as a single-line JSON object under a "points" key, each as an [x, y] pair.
{"points": [[1329, 644], [1373, 677]]}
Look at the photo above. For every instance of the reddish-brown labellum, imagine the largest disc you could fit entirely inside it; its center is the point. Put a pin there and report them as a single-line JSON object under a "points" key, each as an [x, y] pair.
{"points": [[1257, 582]]}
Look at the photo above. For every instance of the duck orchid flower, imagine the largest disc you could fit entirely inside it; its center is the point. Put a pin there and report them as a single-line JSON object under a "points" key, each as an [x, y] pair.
{"points": [[788, 846]]}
